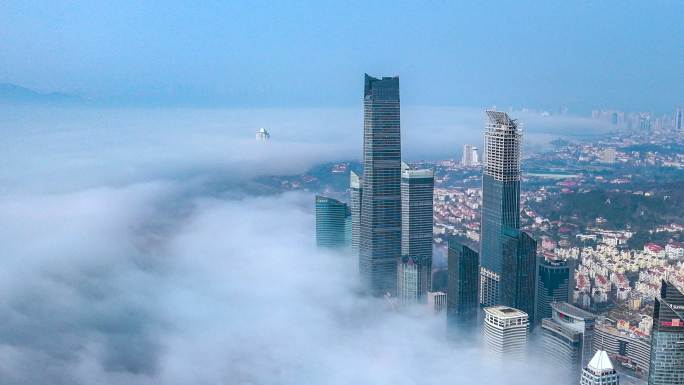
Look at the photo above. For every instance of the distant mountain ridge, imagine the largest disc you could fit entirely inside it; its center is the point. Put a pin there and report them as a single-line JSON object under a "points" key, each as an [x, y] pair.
{"points": [[12, 93]]}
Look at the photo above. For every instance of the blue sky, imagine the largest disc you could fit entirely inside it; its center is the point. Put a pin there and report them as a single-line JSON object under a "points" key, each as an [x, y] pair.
{"points": [[608, 54]]}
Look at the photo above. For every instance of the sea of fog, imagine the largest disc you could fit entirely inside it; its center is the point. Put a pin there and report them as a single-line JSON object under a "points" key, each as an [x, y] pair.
{"points": [[125, 260]]}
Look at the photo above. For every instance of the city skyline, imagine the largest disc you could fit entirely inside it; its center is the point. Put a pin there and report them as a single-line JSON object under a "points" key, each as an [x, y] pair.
{"points": [[246, 193]]}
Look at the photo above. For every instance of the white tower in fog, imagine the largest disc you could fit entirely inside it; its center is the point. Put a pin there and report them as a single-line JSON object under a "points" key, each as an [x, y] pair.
{"points": [[505, 332], [262, 135]]}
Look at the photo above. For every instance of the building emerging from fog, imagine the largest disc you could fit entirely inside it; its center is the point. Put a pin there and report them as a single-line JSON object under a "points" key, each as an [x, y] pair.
{"points": [[417, 188], [408, 280], [500, 202], [380, 221], [332, 223], [506, 332], [599, 371], [567, 336], [463, 279], [667, 337], [262, 135], [678, 119], [355, 196], [437, 301]]}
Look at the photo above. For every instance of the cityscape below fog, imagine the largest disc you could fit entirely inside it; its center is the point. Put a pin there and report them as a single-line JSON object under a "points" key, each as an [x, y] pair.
{"points": [[341, 193], [573, 255]]}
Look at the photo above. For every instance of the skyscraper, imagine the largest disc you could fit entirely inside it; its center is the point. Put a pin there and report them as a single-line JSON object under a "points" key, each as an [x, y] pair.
{"points": [[567, 337], [262, 135], [501, 199], [463, 274], [554, 284], [470, 156], [332, 222], [417, 188], [355, 196], [678, 119], [667, 337], [436, 301], [518, 274], [408, 280], [467, 159], [505, 332], [380, 226], [599, 371]]}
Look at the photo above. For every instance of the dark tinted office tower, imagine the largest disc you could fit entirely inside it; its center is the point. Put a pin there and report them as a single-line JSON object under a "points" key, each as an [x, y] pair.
{"points": [[554, 284], [678, 119], [417, 187], [380, 231], [500, 201], [355, 195], [462, 300], [332, 218], [517, 284], [667, 337]]}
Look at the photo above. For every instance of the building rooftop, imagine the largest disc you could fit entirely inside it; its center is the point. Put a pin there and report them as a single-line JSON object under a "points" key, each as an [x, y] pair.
{"points": [[571, 310], [505, 312], [601, 362], [410, 172], [499, 118]]}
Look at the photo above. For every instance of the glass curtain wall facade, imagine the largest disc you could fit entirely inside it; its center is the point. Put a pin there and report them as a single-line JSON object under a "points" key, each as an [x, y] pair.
{"points": [[462, 299], [667, 337], [355, 196], [332, 222], [380, 225], [500, 200], [518, 271], [417, 188], [554, 284]]}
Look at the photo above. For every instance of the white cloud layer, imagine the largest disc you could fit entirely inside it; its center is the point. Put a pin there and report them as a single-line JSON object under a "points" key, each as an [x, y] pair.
{"points": [[125, 264]]}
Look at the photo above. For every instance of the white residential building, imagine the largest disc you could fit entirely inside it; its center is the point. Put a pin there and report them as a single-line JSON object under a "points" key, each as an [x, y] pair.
{"points": [[506, 332]]}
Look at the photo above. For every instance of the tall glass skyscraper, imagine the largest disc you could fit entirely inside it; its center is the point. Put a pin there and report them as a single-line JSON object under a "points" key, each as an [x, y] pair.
{"points": [[332, 222], [417, 188], [462, 299], [555, 281], [500, 202], [516, 285], [355, 195], [380, 227], [667, 337], [408, 280]]}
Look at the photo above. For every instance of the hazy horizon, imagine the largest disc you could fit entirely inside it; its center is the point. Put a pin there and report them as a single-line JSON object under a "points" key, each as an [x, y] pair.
{"points": [[523, 54]]}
